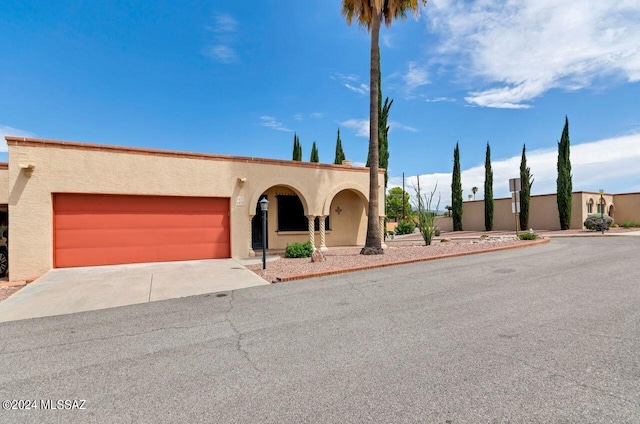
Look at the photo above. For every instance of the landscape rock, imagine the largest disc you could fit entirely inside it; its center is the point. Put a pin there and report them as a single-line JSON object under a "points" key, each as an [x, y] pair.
{"points": [[317, 256]]}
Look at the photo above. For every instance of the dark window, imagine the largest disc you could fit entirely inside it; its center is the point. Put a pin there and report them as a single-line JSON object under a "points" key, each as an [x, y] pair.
{"points": [[291, 215]]}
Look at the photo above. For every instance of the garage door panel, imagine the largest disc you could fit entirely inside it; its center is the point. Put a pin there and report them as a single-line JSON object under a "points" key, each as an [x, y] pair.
{"points": [[142, 237], [115, 229], [121, 255], [139, 221]]}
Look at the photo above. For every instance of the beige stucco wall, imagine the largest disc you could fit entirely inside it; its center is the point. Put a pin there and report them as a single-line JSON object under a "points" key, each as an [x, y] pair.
{"points": [[543, 212], [445, 223], [626, 207], [72, 168]]}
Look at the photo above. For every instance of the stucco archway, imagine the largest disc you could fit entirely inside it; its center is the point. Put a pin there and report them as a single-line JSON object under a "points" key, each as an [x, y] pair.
{"points": [[359, 191], [263, 188]]}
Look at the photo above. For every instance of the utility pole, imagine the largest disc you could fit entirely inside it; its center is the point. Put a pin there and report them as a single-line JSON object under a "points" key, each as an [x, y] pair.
{"points": [[404, 213]]}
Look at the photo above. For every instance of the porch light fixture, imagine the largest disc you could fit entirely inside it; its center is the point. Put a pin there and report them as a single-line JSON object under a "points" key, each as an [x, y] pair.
{"points": [[264, 204], [27, 167]]}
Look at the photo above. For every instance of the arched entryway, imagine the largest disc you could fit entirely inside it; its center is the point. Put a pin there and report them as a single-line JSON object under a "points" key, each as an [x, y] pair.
{"points": [[612, 211], [348, 216], [287, 220]]}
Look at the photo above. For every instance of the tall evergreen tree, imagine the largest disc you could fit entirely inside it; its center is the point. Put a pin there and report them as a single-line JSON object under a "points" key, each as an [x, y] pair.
{"points": [[488, 191], [314, 154], [456, 191], [526, 182], [565, 187], [297, 148], [339, 152]]}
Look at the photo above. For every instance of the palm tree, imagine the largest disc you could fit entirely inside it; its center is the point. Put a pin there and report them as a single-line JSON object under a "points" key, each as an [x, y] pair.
{"points": [[474, 190], [370, 14]]}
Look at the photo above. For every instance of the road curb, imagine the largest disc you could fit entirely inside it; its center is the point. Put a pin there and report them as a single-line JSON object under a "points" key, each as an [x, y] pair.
{"points": [[408, 261]]}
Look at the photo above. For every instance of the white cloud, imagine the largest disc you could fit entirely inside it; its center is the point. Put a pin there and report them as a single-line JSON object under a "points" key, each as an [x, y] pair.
{"points": [[271, 122], [352, 82], [224, 27], [6, 130], [440, 99], [361, 126], [224, 23], [610, 164], [222, 53], [524, 48], [415, 77], [393, 125]]}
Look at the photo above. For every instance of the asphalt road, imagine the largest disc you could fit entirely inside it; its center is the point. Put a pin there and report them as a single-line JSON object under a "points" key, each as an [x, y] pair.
{"points": [[544, 334]]}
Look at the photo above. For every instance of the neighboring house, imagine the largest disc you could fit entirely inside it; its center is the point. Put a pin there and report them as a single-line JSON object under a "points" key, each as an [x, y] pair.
{"points": [[543, 211], [75, 204]]}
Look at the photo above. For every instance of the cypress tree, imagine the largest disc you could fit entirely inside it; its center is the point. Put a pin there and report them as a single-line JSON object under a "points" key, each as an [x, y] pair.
{"points": [[456, 191], [297, 148], [565, 188], [525, 193], [339, 152], [488, 191], [314, 154]]}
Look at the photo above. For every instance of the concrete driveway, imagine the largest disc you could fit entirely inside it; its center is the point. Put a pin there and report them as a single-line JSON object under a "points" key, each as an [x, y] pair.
{"points": [[71, 290]]}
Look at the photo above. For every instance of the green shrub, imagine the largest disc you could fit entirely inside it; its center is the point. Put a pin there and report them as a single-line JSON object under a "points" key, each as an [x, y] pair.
{"points": [[596, 222], [629, 223], [436, 231], [527, 236], [405, 227], [484, 236], [299, 250]]}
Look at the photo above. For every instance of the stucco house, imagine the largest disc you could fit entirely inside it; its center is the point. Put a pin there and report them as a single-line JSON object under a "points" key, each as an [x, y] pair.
{"points": [[75, 204]]}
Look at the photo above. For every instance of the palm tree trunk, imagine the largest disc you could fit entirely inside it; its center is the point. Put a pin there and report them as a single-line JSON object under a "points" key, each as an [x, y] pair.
{"points": [[373, 244]]}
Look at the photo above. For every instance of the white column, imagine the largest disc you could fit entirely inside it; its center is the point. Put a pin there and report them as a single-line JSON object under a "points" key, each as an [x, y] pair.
{"points": [[323, 245], [312, 230], [382, 229], [252, 253]]}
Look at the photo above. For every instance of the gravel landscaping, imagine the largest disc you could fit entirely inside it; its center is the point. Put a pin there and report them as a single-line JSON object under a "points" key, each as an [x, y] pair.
{"points": [[5, 292], [339, 259]]}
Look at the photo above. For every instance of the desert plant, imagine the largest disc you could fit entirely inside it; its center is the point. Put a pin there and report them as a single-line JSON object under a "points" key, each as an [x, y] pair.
{"points": [[427, 215], [437, 231], [484, 236], [299, 250], [597, 222], [629, 223], [527, 236], [405, 226]]}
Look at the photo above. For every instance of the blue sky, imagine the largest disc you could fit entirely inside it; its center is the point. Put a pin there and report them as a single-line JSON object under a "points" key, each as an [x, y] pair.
{"points": [[239, 78]]}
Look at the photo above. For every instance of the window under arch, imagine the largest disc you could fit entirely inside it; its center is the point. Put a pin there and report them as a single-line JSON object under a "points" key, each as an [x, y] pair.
{"points": [[291, 214]]}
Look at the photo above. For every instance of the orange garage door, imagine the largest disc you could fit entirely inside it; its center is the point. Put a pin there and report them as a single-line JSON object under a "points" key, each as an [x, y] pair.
{"points": [[97, 229]]}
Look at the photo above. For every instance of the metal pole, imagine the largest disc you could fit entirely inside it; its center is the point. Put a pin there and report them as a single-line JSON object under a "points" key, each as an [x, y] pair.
{"points": [[264, 239], [404, 213], [602, 211]]}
